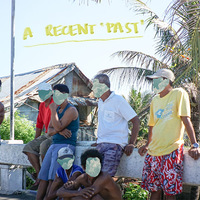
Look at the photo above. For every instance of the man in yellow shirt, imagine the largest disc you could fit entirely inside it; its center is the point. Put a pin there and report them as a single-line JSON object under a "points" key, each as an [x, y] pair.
{"points": [[169, 117]]}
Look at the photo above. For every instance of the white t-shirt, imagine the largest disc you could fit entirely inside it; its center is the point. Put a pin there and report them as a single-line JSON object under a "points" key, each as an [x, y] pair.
{"points": [[113, 116]]}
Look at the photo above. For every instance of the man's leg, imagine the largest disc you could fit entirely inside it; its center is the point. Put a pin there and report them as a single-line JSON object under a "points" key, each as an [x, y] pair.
{"points": [[35, 162], [49, 186], [44, 147], [156, 195], [112, 154], [170, 197], [31, 149], [150, 177], [96, 197], [42, 190], [171, 173]]}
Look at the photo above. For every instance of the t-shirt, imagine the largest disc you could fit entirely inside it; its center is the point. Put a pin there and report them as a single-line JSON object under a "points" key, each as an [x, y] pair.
{"points": [[168, 128], [61, 173], [113, 116], [44, 116]]}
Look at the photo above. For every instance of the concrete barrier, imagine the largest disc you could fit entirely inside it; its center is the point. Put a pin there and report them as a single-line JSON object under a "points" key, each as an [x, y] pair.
{"points": [[12, 162]]}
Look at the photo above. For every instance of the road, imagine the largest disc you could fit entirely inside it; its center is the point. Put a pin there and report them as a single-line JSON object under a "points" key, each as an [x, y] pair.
{"points": [[30, 195]]}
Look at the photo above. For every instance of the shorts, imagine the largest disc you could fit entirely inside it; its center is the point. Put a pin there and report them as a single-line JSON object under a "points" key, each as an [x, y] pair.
{"points": [[50, 164], [38, 146], [44, 146], [112, 154], [164, 172]]}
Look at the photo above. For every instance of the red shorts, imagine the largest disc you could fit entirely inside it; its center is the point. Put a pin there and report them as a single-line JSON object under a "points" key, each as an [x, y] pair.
{"points": [[164, 172]]}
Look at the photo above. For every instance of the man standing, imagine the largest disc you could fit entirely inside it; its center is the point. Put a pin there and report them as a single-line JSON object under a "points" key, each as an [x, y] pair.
{"points": [[113, 115], [41, 143], [169, 115]]}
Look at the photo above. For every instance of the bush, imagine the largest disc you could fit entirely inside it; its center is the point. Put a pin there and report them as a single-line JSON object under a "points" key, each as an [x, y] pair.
{"points": [[135, 192], [24, 129], [29, 182], [140, 104]]}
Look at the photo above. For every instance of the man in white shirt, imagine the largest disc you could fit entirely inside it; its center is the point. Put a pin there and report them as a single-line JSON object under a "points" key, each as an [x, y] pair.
{"points": [[114, 113]]}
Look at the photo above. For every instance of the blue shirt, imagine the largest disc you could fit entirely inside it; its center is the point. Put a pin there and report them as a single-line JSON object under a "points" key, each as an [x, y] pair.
{"points": [[61, 173], [73, 127]]}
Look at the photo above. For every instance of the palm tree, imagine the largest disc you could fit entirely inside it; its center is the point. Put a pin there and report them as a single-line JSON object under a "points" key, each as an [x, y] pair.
{"points": [[178, 48]]}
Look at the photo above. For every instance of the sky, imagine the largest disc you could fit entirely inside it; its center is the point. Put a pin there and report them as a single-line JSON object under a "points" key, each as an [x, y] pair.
{"points": [[110, 29]]}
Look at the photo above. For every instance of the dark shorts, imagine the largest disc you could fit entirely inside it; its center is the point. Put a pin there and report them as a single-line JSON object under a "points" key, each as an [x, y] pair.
{"points": [[164, 172], [112, 154]]}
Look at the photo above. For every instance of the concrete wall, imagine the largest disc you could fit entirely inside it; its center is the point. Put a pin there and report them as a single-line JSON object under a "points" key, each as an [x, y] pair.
{"points": [[130, 166]]}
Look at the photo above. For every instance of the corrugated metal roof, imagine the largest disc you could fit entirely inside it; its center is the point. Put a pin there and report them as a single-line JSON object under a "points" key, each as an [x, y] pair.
{"points": [[26, 84], [76, 101]]}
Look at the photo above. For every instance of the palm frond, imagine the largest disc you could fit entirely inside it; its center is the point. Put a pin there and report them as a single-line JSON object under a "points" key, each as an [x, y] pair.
{"points": [[142, 60], [126, 78]]}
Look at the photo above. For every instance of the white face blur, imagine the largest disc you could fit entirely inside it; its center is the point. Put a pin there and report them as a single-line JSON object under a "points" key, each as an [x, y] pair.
{"points": [[93, 167], [159, 84], [99, 88], [59, 97]]}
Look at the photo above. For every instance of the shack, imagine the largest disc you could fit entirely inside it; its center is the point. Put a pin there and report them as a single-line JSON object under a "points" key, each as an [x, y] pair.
{"points": [[27, 100]]}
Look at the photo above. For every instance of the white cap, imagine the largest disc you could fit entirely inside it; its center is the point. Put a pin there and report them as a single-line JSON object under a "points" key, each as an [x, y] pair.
{"points": [[164, 73], [65, 152], [44, 86]]}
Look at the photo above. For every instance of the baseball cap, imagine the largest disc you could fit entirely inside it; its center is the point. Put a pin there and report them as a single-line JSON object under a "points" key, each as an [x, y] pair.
{"points": [[44, 86], [65, 152], [164, 73]]}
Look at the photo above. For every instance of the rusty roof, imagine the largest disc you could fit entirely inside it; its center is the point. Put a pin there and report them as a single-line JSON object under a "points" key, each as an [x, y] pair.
{"points": [[26, 84]]}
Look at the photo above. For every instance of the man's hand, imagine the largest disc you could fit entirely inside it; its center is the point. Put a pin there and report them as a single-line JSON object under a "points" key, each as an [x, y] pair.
{"points": [[142, 150], [128, 149], [69, 185], [86, 192], [66, 133], [194, 153], [53, 106], [94, 145]]}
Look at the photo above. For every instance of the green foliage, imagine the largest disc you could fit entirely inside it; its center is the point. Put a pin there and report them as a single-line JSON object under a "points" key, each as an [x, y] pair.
{"points": [[140, 104], [134, 192], [24, 129], [29, 182]]}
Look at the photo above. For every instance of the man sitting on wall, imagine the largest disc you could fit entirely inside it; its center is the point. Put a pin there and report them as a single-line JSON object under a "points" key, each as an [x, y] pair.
{"points": [[67, 172], [63, 128], [41, 143]]}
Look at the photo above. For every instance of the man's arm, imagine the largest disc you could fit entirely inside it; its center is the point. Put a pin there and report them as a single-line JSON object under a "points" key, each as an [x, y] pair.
{"points": [[70, 189], [69, 115], [142, 150], [57, 183], [1, 112], [38, 132], [51, 131], [193, 152], [39, 123], [134, 133]]}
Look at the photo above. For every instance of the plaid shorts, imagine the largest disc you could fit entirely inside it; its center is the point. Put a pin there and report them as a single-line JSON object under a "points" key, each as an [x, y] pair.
{"points": [[164, 172], [112, 154]]}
